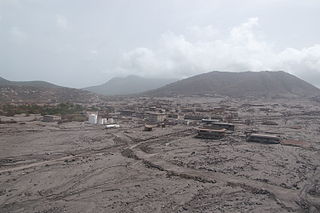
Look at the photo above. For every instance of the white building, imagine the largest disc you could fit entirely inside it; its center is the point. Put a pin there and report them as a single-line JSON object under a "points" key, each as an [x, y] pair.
{"points": [[102, 121], [93, 118]]}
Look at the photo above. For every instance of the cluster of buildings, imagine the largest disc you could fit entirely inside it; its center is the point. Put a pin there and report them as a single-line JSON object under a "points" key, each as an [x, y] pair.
{"points": [[210, 122], [95, 118]]}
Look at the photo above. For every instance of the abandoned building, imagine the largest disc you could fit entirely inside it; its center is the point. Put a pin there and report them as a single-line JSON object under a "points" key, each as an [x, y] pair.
{"points": [[211, 133], [176, 116], [155, 117], [209, 121], [195, 117], [148, 127], [126, 112], [218, 125], [93, 118], [219, 110], [102, 120], [263, 138]]}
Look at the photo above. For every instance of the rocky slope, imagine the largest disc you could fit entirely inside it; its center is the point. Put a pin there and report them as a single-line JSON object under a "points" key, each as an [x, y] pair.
{"points": [[241, 84], [41, 92]]}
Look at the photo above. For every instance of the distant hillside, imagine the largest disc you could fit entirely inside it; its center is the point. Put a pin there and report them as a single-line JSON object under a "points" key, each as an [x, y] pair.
{"points": [[41, 92], [3, 81], [27, 83], [129, 85], [241, 84]]}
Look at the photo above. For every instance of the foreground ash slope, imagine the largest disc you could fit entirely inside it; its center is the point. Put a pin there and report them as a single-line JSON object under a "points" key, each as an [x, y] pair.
{"points": [[41, 92], [50, 167], [242, 84], [129, 85]]}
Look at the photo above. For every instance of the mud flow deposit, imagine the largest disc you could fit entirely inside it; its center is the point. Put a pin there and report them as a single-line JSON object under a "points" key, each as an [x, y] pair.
{"points": [[81, 167]]}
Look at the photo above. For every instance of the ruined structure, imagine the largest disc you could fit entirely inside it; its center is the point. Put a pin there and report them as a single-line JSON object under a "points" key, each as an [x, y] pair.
{"points": [[155, 117], [211, 124], [263, 138], [211, 133], [148, 127]]}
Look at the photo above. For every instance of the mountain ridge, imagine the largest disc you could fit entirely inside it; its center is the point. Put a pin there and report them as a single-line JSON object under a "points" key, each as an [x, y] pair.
{"points": [[41, 92], [240, 84], [35, 83], [128, 85]]}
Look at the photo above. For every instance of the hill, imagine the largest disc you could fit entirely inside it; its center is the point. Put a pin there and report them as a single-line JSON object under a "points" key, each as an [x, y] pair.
{"points": [[27, 83], [41, 92], [4, 81], [129, 85], [240, 84]]}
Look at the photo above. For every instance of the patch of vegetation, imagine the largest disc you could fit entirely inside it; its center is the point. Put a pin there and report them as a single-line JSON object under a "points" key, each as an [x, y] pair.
{"points": [[74, 117], [60, 109]]}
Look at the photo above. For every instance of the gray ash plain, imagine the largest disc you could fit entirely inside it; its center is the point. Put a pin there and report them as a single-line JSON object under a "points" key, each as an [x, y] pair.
{"points": [[78, 167]]}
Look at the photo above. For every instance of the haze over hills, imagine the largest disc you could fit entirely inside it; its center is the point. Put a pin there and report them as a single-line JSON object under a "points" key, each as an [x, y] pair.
{"points": [[41, 92], [129, 85], [240, 84]]}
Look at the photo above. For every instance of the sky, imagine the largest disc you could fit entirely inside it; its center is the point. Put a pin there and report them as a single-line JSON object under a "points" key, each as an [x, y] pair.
{"points": [[80, 43]]}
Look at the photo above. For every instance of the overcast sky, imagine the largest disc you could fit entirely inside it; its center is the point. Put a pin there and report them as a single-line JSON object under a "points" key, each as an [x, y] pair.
{"points": [[80, 43]]}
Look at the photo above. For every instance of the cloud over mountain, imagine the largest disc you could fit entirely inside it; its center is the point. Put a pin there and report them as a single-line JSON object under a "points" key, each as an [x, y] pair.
{"points": [[203, 49]]}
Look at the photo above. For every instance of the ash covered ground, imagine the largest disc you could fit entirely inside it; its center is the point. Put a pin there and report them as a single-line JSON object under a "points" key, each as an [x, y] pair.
{"points": [[79, 167]]}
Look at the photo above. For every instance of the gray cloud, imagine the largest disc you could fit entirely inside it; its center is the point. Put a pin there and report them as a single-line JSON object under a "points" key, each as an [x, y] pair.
{"points": [[18, 35], [62, 22], [80, 43], [240, 49]]}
